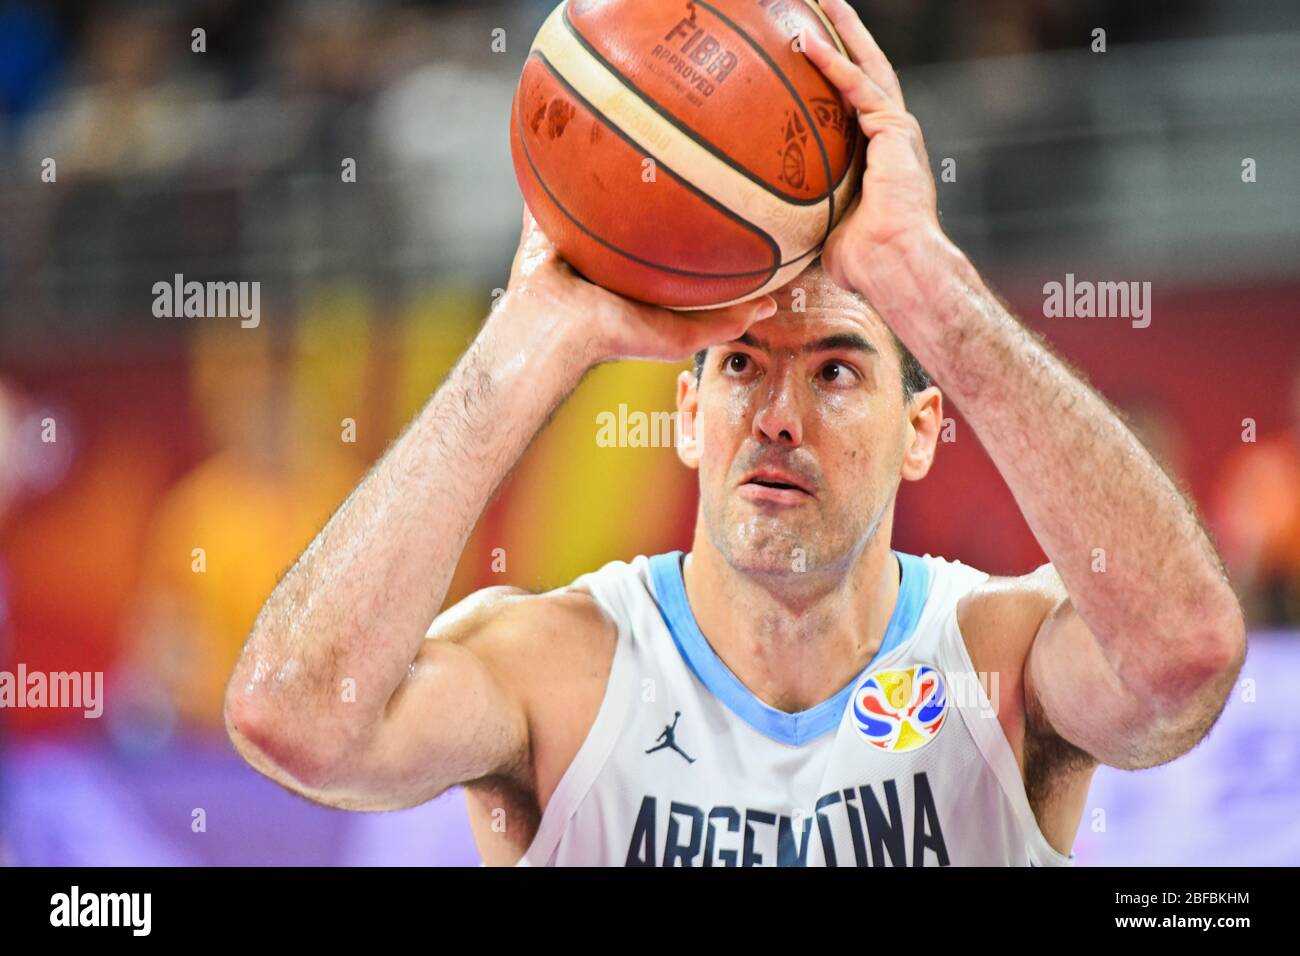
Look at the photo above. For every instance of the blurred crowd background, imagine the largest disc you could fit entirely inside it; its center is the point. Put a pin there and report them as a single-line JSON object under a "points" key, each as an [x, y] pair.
{"points": [[128, 441]]}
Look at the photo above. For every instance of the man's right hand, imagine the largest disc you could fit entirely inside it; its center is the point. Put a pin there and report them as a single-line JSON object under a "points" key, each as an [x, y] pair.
{"points": [[615, 327]]}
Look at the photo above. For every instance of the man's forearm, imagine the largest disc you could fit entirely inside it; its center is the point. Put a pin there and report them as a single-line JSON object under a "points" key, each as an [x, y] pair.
{"points": [[359, 600], [1093, 496]]}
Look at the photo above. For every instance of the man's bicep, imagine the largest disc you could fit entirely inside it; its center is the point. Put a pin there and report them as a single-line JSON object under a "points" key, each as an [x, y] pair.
{"points": [[1081, 695], [455, 717], [1072, 692]]}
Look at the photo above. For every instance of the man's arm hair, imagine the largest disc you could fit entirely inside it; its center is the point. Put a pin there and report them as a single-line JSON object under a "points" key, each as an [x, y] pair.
{"points": [[463, 710], [1136, 659], [332, 652]]}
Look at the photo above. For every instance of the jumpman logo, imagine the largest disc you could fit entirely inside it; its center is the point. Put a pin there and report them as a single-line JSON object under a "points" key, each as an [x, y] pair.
{"points": [[669, 739]]}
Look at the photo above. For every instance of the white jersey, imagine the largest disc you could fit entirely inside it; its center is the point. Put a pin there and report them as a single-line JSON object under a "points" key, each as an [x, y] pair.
{"points": [[906, 766]]}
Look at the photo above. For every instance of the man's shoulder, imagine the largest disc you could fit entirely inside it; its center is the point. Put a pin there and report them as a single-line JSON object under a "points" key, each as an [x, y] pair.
{"points": [[940, 568], [532, 640], [998, 619], [1009, 608], [524, 631], [513, 619]]}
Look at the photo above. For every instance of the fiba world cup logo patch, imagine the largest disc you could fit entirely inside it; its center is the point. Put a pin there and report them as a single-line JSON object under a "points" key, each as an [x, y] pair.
{"points": [[900, 710]]}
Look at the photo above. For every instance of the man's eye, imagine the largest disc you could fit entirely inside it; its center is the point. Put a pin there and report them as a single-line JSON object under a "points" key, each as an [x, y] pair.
{"points": [[836, 372], [735, 362]]}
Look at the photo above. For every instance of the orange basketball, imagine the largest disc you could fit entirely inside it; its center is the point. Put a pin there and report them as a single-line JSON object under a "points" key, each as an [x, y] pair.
{"points": [[683, 153]]}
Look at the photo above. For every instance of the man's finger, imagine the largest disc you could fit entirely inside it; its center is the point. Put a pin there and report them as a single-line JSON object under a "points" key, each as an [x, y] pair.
{"points": [[727, 325], [863, 48], [740, 316], [654, 332], [745, 313], [862, 92]]}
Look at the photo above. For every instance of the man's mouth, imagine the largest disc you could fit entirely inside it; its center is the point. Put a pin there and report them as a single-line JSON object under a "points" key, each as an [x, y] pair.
{"points": [[773, 484], [775, 488]]}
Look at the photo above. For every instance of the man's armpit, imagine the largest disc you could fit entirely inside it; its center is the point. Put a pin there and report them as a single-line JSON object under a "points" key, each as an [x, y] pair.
{"points": [[1050, 759]]}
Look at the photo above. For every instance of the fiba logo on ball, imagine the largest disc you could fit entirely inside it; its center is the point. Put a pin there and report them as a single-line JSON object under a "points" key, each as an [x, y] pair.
{"points": [[902, 709]]}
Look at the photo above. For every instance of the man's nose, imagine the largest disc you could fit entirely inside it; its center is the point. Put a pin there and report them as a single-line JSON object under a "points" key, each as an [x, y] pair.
{"points": [[779, 417]]}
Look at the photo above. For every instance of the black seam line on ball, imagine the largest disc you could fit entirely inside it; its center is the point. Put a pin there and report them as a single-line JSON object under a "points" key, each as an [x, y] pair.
{"points": [[854, 125], [767, 273], [686, 130], [826, 161]]}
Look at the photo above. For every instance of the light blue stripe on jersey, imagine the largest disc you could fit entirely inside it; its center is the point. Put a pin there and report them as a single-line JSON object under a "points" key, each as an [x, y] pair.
{"points": [[805, 725]]}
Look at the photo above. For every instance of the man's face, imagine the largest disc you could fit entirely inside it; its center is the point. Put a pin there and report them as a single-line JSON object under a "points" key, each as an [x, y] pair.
{"points": [[805, 433]]}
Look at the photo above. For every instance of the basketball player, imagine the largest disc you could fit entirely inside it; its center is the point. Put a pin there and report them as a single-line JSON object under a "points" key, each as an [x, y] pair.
{"points": [[792, 691]]}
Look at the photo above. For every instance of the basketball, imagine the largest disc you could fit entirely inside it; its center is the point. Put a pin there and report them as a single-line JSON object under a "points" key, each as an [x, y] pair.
{"points": [[684, 154]]}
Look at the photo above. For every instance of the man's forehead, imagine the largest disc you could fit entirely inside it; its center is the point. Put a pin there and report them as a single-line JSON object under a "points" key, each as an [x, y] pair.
{"points": [[812, 305]]}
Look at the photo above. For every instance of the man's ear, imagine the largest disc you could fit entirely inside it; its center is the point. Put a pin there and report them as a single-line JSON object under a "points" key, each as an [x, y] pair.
{"points": [[925, 420], [688, 443]]}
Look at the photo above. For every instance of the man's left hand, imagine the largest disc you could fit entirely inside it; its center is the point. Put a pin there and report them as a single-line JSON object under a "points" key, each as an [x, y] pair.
{"points": [[896, 213]]}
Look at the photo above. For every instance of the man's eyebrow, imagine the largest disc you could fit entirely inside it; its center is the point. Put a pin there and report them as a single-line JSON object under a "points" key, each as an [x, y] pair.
{"points": [[842, 341]]}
